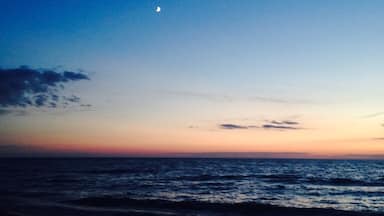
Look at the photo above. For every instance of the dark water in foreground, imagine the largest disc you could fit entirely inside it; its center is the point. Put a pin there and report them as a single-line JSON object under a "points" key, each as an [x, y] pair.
{"points": [[338, 184]]}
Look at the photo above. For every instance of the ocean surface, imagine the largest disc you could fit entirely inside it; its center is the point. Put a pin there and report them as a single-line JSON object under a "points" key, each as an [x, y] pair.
{"points": [[353, 185]]}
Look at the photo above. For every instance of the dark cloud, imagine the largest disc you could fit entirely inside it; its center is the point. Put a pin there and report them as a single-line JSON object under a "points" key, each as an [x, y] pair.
{"points": [[232, 126], [5, 111], [24, 150], [284, 122], [274, 126], [26, 87], [280, 125], [291, 122], [73, 99], [16, 150], [379, 138], [12, 112]]}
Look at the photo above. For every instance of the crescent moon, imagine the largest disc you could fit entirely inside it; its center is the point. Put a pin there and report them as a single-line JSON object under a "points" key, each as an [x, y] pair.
{"points": [[158, 9]]}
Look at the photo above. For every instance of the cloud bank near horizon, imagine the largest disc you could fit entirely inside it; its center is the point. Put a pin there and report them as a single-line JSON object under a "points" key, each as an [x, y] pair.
{"points": [[18, 150]]}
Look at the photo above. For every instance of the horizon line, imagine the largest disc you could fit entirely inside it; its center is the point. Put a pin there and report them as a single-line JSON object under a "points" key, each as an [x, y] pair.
{"points": [[200, 155]]}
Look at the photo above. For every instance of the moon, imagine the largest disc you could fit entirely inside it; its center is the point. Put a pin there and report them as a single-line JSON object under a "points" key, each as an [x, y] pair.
{"points": [[158, 9]]}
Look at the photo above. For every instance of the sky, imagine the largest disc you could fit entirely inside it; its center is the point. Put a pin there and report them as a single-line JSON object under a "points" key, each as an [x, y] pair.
{"points": [[273, 78]]}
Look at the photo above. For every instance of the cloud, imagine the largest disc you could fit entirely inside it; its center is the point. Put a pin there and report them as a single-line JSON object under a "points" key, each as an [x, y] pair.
{"points": [[228, 98], [232, 126], [284, 122], [280, 125], [13, 150], [28, 150], [5, 112], [363, 156], [26, 87], [238, 155], [378, 138], [273, 126], [374, 115], [279, 100], [13, 112]]}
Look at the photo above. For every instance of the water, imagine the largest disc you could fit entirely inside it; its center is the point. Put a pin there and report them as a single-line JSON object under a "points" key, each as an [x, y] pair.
{"points": [[340, 184]]}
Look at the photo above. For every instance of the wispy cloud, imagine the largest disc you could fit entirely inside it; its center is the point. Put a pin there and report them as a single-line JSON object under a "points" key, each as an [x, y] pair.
{"points": [[284, 122], [25, 87], [200, 95], [232, 126], [279, 125], [229, 98], [373, 115], [278, 100]]}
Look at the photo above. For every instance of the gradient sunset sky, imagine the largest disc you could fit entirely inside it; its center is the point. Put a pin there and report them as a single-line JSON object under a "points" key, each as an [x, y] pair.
{"points": [[286, 78]]}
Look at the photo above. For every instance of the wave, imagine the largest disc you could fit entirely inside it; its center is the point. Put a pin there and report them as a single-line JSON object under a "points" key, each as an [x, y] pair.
{"points": [[63, 180], [212, 177], [282, 178], [203, 208], [343, 182], [358, 193], [120, 171], [295, 179]]}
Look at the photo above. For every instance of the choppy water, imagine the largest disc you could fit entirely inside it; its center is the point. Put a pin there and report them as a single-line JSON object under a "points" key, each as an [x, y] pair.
{"points": [[340, 184]]}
